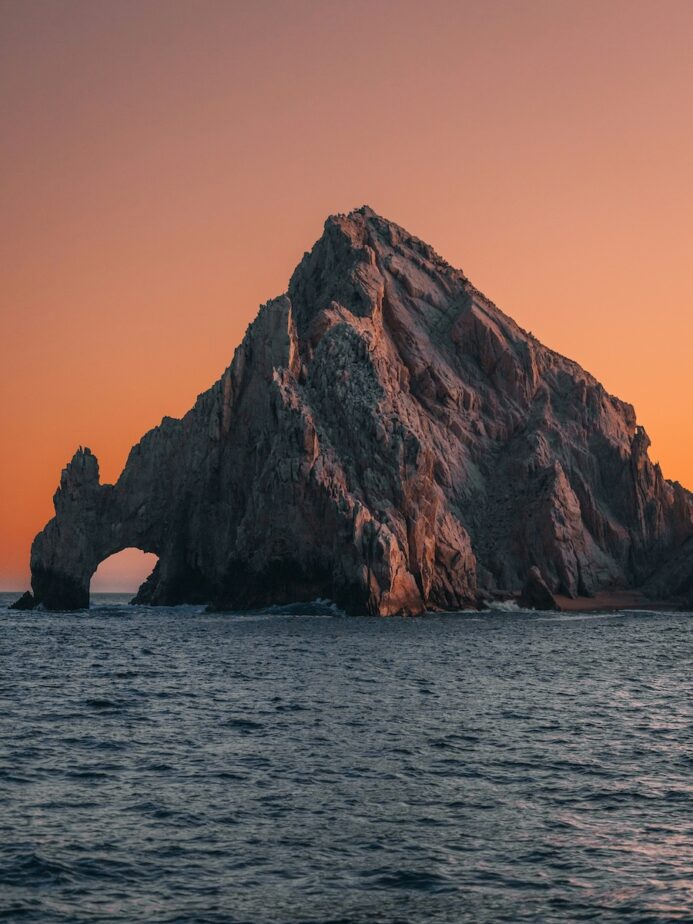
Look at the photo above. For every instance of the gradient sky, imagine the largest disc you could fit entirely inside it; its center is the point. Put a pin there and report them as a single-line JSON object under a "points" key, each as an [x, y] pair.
{"points": [[165, 164]]}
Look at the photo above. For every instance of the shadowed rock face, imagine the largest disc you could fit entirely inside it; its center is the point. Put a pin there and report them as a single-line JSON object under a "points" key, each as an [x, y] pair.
{"points": [[535, 594], [385, 437]]}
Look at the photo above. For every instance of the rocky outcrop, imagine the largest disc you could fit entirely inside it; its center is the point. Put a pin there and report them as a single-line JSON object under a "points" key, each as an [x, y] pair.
{"points": [[535, 594], [25, 602], [385, 438], [673, 580]]}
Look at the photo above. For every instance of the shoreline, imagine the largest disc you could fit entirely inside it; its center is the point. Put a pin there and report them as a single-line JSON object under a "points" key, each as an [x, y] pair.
{"points": [[603, 602], [612, 601]]}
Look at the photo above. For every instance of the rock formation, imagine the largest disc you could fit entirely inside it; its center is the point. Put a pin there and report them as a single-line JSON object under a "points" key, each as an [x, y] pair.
{"points": [[535, 594], [674, 578], [25, 602], [385, 438]]}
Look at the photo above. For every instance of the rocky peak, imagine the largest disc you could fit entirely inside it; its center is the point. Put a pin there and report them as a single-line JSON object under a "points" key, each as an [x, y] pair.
{"points": [[82, 469], [350, 265], [79, 478]]}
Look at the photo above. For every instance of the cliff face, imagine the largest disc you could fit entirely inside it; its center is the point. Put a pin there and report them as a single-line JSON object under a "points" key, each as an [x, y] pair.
{"points": [[385, 437]]}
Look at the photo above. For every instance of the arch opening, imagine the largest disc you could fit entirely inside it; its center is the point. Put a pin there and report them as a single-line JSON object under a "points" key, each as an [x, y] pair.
{"points": [[122, 573]]}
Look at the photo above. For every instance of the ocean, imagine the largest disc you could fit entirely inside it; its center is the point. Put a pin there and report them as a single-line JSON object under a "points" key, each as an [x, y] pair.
{"points": [[170, 765]]}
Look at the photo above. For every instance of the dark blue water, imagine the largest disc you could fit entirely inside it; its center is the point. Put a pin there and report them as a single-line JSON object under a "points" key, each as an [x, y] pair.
{"points": [[170, 765]]}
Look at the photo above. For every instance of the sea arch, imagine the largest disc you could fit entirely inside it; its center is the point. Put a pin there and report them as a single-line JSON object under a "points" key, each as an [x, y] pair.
{"points": [[123, 572]]}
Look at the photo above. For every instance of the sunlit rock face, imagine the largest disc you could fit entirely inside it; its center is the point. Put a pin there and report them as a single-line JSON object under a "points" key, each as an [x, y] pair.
{"points": [[386, 438]]}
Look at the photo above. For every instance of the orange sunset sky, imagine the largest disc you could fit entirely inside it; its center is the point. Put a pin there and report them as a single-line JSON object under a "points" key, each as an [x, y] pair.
{"points": [[165, 164]]}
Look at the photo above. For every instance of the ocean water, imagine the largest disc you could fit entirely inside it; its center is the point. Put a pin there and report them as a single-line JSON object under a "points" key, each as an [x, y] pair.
{"points": [[168, 765]]}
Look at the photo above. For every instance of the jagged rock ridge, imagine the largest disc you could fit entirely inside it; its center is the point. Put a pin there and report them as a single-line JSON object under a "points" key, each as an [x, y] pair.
{"points": [[386, 438]]}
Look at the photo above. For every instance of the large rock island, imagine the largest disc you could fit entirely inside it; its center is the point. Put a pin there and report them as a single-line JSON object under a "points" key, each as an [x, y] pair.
{"points": [[386, 438]]}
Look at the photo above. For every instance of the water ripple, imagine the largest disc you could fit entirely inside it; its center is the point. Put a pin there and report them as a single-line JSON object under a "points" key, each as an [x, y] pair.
{"points": [[177, 766]]}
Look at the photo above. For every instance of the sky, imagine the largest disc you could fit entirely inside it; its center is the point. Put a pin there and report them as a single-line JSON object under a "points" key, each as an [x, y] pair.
{"points": [[164, 166]]}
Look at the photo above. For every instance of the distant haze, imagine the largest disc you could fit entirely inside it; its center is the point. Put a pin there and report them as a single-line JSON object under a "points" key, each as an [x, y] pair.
{"points": [[164, 166]]}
